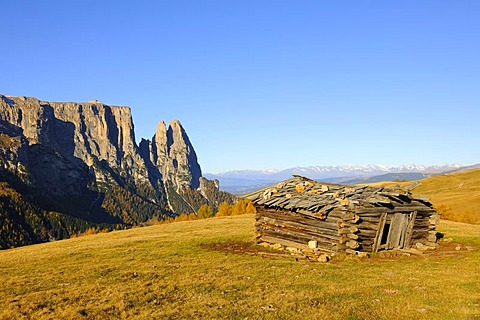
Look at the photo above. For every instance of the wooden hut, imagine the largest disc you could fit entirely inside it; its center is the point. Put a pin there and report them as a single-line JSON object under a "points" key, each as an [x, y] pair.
{"points": [[313, 216]]}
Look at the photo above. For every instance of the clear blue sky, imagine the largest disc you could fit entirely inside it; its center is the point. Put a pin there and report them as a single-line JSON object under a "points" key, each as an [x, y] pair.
{"points": [[264, 84]]}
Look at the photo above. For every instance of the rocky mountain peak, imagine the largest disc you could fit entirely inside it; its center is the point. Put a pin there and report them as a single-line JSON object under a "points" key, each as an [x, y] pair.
{"points": [[173, 154], [160, 152], [161, 129], [81, 158]]}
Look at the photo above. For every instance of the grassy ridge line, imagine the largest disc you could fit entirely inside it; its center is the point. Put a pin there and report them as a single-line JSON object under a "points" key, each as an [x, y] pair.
{"points": [[162, 272]]}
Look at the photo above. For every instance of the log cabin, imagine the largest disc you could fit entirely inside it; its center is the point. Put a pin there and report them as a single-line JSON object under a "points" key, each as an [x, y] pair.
{"points": [[329, 218]]}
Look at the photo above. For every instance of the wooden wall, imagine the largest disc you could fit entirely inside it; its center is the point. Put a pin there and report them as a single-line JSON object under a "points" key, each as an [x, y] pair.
{"points": [[347, 230], [296, 230]]}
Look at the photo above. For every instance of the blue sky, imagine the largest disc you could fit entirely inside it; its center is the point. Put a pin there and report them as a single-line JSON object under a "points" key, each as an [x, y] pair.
{"points": [[264, 84]]}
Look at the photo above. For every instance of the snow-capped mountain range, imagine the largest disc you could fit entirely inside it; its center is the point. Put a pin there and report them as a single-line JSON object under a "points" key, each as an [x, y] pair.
{"points": [[247, 179], [328, 172]]}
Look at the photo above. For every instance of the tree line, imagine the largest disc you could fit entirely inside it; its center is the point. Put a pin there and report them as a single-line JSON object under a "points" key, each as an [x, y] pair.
{"points": [[243, 206]]}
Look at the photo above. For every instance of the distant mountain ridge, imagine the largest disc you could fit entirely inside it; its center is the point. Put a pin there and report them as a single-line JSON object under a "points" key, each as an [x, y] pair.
{"points": [[241, 180]]}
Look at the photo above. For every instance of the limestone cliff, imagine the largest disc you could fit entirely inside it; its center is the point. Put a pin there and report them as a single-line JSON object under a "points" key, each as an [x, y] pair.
{"points": [[82, 159], [171, 152]]}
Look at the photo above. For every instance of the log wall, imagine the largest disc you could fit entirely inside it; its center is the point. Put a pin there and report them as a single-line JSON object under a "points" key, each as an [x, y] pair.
{"points": [[347, 230], [296, 230]]}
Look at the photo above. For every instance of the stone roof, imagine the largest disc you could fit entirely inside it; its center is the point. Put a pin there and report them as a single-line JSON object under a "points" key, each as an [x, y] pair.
{"points": [[306, 196]]}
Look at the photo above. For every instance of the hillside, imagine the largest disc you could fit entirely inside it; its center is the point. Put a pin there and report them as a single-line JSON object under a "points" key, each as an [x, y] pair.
{"points": [[172, 272], [458, 191], [455, 195], [23, 223]]}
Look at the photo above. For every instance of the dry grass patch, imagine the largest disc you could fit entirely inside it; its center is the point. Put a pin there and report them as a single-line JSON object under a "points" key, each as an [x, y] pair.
{"points": [[165, 271], [459, 192]]}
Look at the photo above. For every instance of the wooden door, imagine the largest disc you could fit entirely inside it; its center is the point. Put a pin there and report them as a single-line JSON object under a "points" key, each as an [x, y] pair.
{"points": [[397, 232], [394, 231]]}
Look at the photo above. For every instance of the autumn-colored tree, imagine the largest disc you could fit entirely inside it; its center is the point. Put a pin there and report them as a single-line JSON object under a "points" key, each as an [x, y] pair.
{"points": [[468, 217], [224, 209], [205, 211], [446, 212], [250, 207], [243, 206], [239, 207], [192, 216], [182, 217], [91, 231]]}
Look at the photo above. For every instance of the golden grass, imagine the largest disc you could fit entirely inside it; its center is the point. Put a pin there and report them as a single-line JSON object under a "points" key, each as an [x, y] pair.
{"points": [[458, 191], [162, 272]]}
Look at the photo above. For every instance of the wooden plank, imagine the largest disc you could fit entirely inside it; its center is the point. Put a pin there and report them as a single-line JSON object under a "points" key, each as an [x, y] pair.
{"points": [[370, 212], [379, 199], [396, 234], [420, 234], [288, 228], [409, 233], [283, 242], [301, 243], [422, 198], [373, 220], [365, 225], [298, 235], [290, 216], [406, 209], [297, 227], [303, 219], [366, 241], [365, 233], [302, 239], [378, 236]]}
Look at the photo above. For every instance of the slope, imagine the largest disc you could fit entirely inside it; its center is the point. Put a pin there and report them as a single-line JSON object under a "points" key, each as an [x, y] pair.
{"points": [[166, 271], [455, 195], [23, 223]]}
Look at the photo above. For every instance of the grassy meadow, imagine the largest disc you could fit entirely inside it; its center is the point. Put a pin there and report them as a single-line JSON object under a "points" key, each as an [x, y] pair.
{"points": [[167, 272]]}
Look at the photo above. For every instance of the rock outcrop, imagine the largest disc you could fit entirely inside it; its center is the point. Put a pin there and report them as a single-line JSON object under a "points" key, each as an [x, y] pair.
{"points": [[171, 152], [81, 159]]}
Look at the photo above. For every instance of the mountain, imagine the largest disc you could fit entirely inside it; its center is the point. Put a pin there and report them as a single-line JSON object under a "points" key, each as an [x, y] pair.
{"points": [[240, 185], [240, 180], [81, 160], [401, 176]]}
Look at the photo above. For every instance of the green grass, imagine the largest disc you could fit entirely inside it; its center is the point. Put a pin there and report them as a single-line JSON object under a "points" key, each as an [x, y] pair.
{"points": [[162, 272]]}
